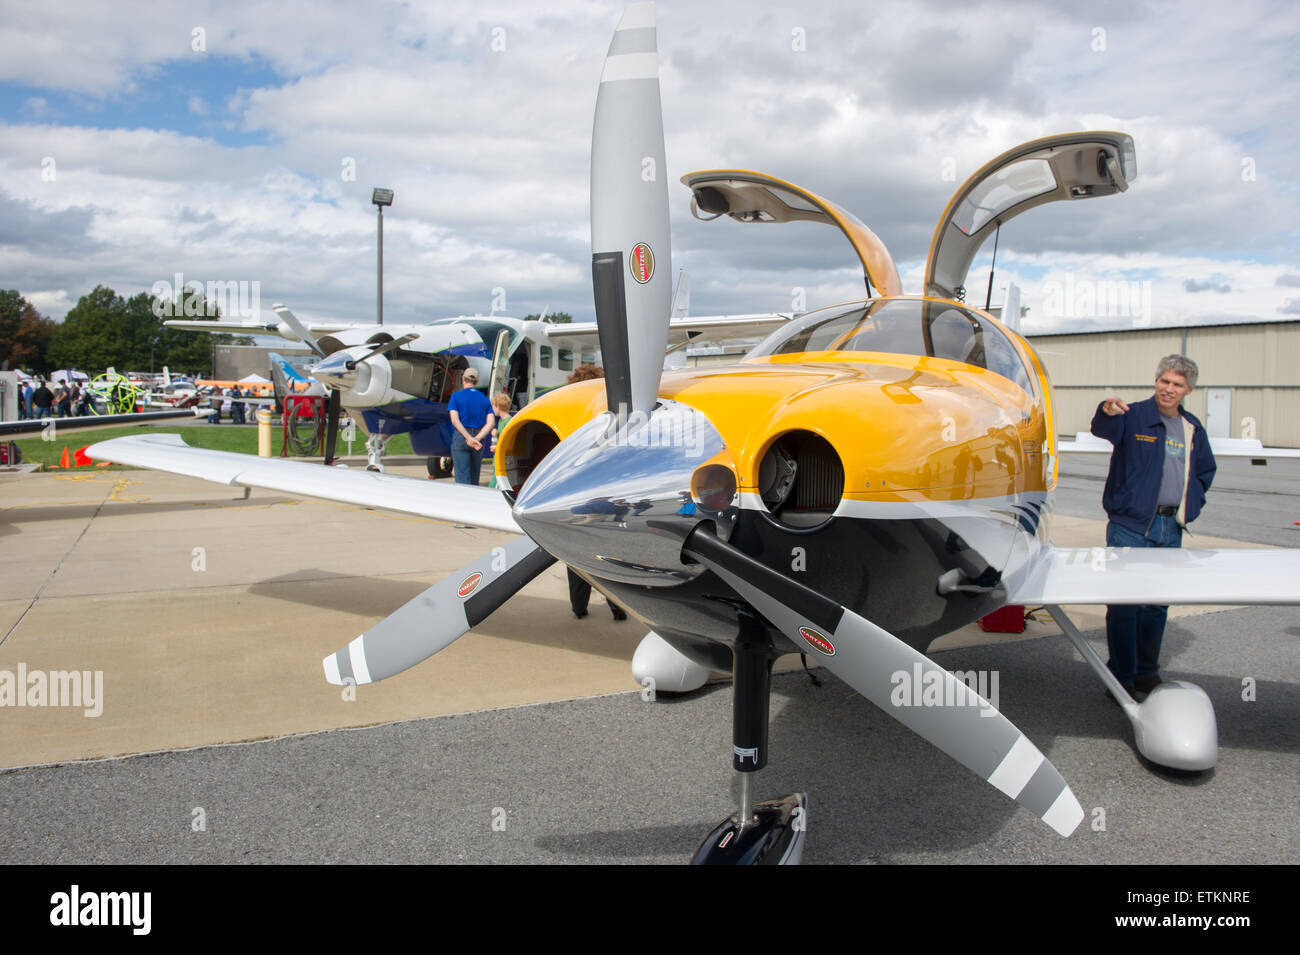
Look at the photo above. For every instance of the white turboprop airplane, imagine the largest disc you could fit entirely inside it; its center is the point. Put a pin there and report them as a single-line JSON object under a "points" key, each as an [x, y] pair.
{"points": [[395, 379], [901, 449]]}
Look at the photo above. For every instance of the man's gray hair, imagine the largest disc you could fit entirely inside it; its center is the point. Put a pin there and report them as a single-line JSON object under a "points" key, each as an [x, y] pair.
{"points": [[1179, 365]]}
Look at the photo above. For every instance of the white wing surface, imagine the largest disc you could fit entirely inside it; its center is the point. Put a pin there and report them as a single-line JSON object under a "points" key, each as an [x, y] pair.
{"points": [[482, 507], [1162, 575], [1087, 443]]}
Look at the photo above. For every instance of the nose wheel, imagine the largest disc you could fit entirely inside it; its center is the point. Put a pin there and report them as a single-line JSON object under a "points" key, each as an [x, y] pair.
{"points": [[772, 832], [375, 451], [774, 835]]}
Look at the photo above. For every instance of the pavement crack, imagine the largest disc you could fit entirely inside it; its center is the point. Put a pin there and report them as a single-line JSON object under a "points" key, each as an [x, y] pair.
{"points": [[71, 547]]}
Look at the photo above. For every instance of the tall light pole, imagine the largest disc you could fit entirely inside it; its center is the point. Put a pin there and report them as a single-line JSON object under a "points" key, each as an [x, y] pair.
{"points": [[381, 198]]}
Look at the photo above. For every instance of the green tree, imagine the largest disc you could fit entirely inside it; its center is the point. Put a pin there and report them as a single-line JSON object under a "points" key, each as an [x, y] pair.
{"points": [[91, 336], [106, 329], [186, 351], [553, 318], [24, 334]]}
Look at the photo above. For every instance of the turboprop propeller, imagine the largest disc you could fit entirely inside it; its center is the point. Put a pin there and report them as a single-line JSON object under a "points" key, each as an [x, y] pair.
{"points": [[344, 370], [631, 260]]}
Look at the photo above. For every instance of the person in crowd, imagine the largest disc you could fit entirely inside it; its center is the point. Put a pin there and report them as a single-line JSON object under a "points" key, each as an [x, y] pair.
{"points": [[472, 418]]}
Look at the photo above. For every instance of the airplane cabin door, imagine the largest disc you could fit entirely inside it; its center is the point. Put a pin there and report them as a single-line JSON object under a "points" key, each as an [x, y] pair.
{"points": [[500, 363]]}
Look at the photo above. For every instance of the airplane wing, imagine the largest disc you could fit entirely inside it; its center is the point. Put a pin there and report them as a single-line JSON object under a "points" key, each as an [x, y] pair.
{"points": [[1087, 443], [482, 507], [224, 327], [93, 422], [1161, 575], [690, 328]]}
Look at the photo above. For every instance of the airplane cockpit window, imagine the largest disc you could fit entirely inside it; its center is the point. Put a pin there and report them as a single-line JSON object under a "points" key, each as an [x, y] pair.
{"points": [[958, 335], [999, 192], [488, 331], [902, 327]]}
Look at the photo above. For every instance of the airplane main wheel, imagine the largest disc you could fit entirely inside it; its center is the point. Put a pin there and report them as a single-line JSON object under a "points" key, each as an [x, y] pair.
{"points": [[438, 467]]}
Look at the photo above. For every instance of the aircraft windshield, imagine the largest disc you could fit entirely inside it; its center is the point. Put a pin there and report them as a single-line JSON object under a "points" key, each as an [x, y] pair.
{"points": [[488, 331], [902, 327]]}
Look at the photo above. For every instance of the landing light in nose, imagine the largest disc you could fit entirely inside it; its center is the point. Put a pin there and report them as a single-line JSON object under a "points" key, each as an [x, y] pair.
{"points": [[714, 486]]}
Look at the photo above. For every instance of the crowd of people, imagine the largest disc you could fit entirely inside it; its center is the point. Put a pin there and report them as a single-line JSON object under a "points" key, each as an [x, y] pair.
{"points": [[227, 400], [37, 399], [59, 399]]}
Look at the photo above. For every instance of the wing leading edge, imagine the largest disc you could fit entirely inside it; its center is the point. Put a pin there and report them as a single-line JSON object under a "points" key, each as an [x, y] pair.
{"points": [[1087, 443], [482, 507], [1162, 575]]}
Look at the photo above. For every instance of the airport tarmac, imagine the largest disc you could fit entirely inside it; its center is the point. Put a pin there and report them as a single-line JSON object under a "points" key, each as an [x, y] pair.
{"points": [[208, 616]]}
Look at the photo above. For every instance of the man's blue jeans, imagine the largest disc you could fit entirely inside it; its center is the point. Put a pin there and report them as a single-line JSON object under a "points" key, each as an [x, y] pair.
{"points": [[467, 462], [1134, 633]]}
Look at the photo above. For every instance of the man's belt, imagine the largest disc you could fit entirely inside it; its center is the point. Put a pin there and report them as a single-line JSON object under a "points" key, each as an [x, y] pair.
{"points": [[1167, 510]]}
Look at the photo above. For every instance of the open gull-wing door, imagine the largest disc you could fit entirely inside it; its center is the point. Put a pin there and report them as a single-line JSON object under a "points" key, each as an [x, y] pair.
{"points": [[1069, 166], [754, 197]]}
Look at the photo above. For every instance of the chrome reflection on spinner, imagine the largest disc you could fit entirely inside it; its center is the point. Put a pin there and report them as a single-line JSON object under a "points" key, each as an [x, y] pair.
{"points": [[591, 502]]}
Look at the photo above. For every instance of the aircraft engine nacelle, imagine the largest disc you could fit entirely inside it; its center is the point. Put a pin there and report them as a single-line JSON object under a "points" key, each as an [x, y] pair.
{"points": [[362, 384]]}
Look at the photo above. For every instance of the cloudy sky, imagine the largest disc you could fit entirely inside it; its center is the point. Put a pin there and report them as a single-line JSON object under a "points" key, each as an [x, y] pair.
{"points": [[240, 142]]}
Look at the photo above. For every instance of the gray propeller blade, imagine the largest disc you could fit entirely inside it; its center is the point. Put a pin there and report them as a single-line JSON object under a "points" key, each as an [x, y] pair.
{"points": [[631, 262], [298, 328], [436, 618], [957, 720], [385, 348]]}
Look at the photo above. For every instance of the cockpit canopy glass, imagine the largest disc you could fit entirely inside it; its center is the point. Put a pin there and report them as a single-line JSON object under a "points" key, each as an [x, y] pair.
{"points": [[901, 327], [1007, 187]]}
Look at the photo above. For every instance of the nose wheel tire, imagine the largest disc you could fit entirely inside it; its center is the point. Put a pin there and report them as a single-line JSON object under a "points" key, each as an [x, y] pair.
{"points": [[438, 467]]}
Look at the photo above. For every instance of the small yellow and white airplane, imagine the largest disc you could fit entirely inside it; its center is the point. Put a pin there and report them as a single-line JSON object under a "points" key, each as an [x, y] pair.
{"points": [[871, 477]]}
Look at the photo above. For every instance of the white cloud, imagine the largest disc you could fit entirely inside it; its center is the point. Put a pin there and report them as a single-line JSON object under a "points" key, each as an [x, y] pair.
{"points": [[488, 150]]}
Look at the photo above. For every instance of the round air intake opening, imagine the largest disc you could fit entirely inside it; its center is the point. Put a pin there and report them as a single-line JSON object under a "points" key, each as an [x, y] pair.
{"points": [[524, 450], [801, 479]]}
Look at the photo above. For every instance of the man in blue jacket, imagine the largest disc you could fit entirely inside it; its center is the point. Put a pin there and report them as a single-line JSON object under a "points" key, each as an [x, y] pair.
{"points": [[1159, 472]]}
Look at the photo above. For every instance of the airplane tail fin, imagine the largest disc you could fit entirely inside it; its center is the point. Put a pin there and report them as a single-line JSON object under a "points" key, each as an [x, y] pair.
{"points": [[280, 366], [682, 295]]}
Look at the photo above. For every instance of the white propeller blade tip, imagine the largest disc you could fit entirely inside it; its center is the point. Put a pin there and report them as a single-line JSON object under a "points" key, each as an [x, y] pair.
{"points": [[331, 665], [1065, 814]]}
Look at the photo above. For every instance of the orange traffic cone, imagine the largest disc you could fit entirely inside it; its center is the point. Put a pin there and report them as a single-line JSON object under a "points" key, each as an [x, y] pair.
{"points": [[63, 461], [80, 457]]}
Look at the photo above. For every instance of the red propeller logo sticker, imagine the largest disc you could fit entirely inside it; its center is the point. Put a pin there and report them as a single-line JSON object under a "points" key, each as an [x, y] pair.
{"points": [[468, 585], [643, 263], [817, 641]]}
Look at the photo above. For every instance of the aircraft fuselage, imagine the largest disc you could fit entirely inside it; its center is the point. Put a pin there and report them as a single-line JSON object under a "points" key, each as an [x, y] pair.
{"points": [[908, 488]]}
